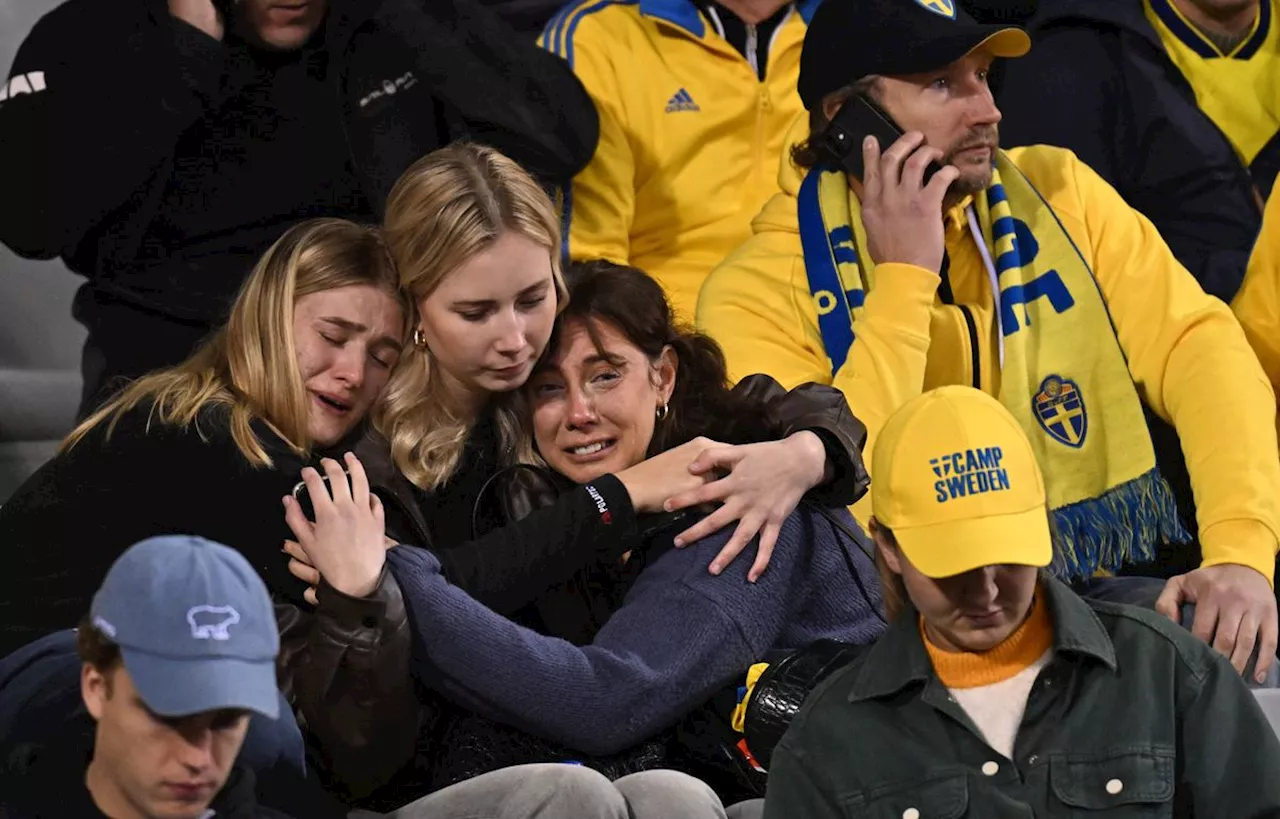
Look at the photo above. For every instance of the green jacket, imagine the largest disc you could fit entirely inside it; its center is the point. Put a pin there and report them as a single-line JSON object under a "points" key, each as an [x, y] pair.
{"points": [[1134, 717]]}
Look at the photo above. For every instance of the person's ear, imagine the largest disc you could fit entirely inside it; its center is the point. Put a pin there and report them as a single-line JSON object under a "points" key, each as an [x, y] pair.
{"points": [[831, 104], [95, 689], [888, 550], [665, 372]]}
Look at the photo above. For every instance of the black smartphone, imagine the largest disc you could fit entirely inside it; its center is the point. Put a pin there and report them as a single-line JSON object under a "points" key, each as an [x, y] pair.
{"points": [[841, 141], [303, 496]]}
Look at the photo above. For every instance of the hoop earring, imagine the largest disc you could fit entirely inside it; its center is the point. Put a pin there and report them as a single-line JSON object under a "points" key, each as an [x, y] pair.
{"points": [[663, 412], [419, 338]]}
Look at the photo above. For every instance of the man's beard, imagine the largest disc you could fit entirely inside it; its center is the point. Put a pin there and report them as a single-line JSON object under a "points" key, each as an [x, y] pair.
{"points": [[972, 178]]}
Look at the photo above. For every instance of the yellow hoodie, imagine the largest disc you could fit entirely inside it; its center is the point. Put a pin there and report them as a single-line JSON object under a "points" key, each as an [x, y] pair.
{"points": [[1187, 354], [1257, 304], [689, 135]]}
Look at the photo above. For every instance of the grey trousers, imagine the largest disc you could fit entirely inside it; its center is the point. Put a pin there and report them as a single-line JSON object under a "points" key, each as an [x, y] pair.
{"points": [[556, 791]]}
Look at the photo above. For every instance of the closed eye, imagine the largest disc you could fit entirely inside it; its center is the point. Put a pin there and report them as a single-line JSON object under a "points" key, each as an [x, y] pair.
{"points": [[546, 389]]}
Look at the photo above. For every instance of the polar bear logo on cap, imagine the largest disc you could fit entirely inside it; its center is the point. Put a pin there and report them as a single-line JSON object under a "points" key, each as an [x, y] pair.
{"points": [[212, 622]]}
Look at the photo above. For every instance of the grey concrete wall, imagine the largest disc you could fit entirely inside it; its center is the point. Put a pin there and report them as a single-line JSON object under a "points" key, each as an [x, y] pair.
{"points": [[36, 330], [39, 342]]}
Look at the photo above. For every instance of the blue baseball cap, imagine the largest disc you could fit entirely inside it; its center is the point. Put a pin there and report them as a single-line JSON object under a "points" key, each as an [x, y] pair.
{"points": [[195, 626]]}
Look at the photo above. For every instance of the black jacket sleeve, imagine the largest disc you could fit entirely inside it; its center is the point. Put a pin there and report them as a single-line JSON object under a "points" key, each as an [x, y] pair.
{"points": [[499, 88], [824, 411], [112, 86], [510, 567], [556, 532], [1072, 90]]}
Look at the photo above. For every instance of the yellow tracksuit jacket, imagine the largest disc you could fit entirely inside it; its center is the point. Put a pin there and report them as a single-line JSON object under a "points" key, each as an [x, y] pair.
{"points": [[1188, 357], [1257, 303], [689, 136]]}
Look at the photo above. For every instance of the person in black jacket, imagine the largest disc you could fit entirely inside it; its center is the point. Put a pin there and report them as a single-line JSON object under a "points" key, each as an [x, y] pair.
{"points": [[210, 447], [159, 147], [1101, 82], [477, 244], [620, 386]]}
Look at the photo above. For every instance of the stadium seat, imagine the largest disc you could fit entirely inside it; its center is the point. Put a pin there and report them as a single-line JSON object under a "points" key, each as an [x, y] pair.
{"points": [[39, 341], [1269, 699]]}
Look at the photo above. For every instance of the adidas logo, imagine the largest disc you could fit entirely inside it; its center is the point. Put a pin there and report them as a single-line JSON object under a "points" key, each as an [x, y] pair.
{"points": [[681, 101]]}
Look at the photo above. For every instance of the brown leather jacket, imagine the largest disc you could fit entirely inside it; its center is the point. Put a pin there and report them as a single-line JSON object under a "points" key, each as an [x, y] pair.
{"points": [[346, 666], [343, 667]]}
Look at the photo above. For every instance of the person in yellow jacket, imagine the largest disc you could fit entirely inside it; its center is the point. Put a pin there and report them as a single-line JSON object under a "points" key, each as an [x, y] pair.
{"points": [[1257, 304], [694, 100], [1038, 285]]}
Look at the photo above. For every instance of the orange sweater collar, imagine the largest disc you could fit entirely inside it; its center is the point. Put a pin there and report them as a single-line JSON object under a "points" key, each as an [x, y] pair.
{"points": [[963, 669]]}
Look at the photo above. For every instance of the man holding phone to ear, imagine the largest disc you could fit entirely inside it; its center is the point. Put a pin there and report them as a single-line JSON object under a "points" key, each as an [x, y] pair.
{"points": [[1021, 273]]}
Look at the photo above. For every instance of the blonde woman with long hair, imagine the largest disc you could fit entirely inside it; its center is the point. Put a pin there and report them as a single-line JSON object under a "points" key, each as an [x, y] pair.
{"points": [[478, 246], [208, 447]]}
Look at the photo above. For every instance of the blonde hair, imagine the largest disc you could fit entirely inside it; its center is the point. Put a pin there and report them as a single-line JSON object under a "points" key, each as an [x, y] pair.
{"points": [[251, 364], [447, 207]]}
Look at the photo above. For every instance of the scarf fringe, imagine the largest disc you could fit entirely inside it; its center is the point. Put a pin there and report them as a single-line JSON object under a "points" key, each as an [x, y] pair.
{"points": [[1122, 525]]}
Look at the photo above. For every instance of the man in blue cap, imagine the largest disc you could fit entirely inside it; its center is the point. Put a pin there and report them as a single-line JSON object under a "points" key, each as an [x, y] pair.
{"points": [[178, 650]]}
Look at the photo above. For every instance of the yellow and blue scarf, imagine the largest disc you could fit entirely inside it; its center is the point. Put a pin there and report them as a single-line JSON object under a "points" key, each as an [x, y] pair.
{"points": [[1064, 378]]}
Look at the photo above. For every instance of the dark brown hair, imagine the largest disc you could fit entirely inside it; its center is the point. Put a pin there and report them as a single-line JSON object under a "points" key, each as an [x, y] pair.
{"points": [[702, 403], [96, 649], [893, 592]]}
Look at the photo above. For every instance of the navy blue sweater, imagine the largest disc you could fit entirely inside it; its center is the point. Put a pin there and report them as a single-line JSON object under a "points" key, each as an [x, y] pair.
{"points": [[679, 636]]}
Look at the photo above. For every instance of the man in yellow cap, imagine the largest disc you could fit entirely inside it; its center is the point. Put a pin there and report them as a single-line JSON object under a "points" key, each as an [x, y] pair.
{"points": [[1021, 273], [997, 691]]}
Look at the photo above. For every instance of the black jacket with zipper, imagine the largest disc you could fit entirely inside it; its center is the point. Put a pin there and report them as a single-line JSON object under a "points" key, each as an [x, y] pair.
{"points": [[1099, 82], [89, 150]]}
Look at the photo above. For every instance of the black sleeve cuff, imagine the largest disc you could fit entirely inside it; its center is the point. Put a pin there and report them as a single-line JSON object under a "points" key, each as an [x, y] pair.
{"points": [[618, 531], [845, 486]]}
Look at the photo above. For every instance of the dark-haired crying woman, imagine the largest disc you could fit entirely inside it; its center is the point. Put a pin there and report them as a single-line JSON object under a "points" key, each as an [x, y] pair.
{"points": [[656, 635]]}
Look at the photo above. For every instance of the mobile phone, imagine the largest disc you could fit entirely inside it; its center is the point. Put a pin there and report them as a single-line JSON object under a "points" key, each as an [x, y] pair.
{"points": [[841, 140], [303, 496]]}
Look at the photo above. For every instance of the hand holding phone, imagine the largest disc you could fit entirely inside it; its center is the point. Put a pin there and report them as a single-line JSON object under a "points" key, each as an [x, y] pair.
{"points": [[903, 183], [346, 543], [901, 215], [859, 117], [302, 494]]}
